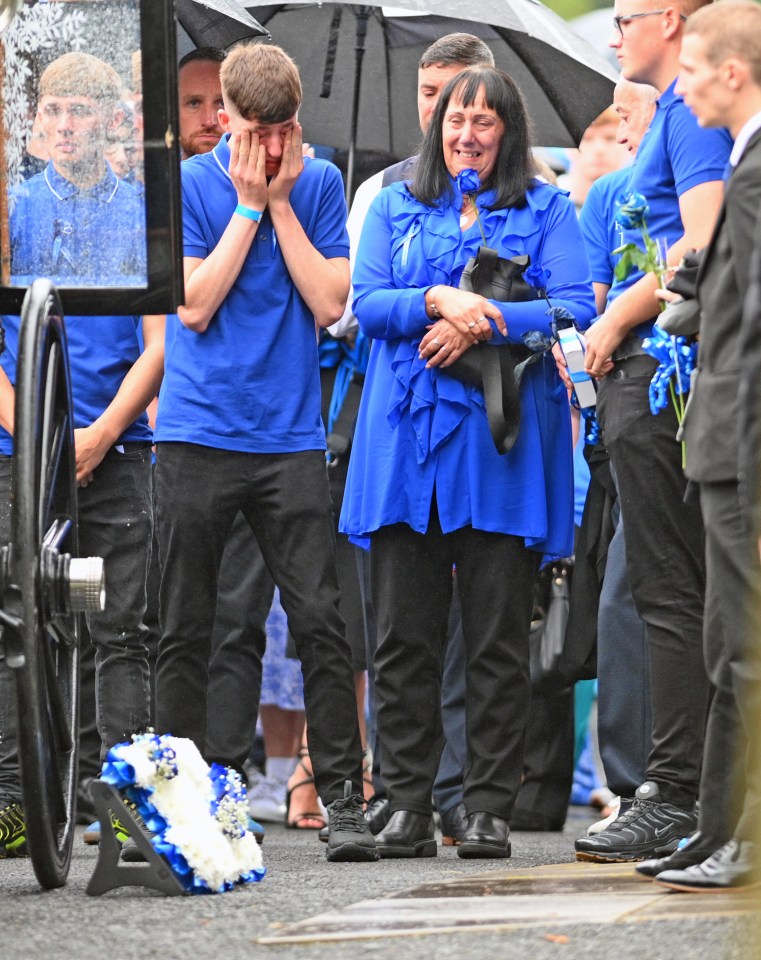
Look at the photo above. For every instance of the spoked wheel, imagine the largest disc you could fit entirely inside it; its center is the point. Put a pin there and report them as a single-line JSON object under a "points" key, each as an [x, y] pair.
{"points": [[45, 586]]}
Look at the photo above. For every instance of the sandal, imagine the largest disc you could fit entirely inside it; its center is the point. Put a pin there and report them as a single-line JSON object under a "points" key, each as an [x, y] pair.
{"points": [[308, 820]]}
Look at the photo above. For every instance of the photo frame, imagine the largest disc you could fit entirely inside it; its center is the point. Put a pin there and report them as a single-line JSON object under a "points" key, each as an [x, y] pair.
{"points": [[131, 260]]}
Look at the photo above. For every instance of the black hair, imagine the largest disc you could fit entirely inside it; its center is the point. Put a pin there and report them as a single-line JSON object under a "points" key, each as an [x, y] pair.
{"points": [[203, 54], [514, 169], [457, 50]]}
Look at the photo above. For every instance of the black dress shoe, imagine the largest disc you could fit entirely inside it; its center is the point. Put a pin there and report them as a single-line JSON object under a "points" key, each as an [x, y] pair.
{"points": [[377, 814], [485, 836], [407, 834], [696, 850], [732, 867], [453, 824]]}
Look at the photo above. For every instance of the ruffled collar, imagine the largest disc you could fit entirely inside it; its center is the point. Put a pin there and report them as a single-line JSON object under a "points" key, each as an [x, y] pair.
{"points": [[447, 248], [428, 247]]}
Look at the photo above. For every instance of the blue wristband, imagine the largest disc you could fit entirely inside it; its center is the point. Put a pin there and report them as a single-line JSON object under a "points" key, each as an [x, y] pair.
{"points": [[249, 213]]}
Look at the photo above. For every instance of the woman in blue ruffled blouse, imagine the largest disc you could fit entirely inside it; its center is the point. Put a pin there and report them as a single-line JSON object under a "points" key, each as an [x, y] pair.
{"points": [[426, 485]]}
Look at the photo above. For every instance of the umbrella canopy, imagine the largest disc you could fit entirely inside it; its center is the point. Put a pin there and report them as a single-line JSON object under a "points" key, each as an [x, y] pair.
{"points": [[566, 83], [216, 23]]}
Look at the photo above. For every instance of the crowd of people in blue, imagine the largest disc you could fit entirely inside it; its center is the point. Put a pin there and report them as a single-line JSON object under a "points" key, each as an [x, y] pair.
{"points": [[411, 556]]}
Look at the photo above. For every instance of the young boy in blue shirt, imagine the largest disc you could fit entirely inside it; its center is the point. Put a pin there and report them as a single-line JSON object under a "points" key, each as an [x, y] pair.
{"points": [[238, 426], [99, 240]]}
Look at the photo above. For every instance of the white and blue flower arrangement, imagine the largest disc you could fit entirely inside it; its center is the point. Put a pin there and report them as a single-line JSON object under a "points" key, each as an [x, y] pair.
{"points": [[197, 815]]}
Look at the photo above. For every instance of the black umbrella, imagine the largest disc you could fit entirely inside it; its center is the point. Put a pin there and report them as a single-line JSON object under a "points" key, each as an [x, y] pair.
{"points": [[217, 23], [359, 66]]}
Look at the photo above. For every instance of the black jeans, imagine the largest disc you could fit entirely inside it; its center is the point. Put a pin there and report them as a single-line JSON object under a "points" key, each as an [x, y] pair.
{"points": [[115, 523], [412, 588], [665, 562], [285, 499]]}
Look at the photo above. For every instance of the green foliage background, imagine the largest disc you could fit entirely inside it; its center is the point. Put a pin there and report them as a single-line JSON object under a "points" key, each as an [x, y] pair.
{"points": [[568, 9]]}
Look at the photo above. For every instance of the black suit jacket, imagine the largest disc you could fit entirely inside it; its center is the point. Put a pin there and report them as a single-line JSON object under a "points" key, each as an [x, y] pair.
{"points": [[750, 392], [712, 421]]}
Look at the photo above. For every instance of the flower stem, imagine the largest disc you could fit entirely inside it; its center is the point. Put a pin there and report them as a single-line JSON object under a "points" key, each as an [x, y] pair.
{"points": [[678, 405], [472, 198]]}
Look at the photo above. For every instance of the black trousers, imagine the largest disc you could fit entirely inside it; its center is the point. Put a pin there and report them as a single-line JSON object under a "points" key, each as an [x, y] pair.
{"points": [[412, 587], [284, 497], [239, 639], [730, 791], [624, 719], [665, 562]]}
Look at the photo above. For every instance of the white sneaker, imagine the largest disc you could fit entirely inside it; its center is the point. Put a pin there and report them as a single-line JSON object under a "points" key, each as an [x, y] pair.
{"points": [[266, 800], [601, 825]]}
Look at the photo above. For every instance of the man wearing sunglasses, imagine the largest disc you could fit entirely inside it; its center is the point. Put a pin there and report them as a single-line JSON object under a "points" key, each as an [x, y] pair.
{"points": [[679, 171]]}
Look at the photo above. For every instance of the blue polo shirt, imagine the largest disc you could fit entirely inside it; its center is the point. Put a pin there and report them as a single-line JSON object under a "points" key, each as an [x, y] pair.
{"points": [[101, 352], [93, 237], [79, 237], [602, 235], [250, 382], [674, 156]]}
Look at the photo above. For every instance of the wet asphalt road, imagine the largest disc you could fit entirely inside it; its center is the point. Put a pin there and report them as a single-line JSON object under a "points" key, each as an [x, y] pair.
{"points": [[135, 924]]}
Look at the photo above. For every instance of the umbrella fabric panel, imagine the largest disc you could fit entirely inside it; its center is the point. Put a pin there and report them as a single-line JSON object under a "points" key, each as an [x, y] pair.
{"points": [[305, 34], [540, 73], [563, 94], [216, 23]]}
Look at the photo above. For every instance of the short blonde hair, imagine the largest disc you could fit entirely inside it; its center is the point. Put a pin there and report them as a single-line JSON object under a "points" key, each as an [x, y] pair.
{"points": [[81, 75], [688, 7], [730, 28], [261, 82]]}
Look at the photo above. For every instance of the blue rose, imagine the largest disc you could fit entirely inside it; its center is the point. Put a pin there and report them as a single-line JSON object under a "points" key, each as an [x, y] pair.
{"points": [[536, 276], [632, 211], [468, 181]]}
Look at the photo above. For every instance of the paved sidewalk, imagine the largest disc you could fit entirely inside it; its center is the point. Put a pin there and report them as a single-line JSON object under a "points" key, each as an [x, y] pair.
{"points": [[563, 896]]}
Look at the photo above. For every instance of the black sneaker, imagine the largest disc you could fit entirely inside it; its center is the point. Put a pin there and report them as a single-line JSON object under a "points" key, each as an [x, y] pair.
{"points": [[12, 830], [349, 837], [649, 828], [121, 829]]}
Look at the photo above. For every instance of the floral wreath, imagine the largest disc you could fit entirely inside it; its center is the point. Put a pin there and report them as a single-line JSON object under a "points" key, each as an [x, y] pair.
{"points": [[197, 815]]}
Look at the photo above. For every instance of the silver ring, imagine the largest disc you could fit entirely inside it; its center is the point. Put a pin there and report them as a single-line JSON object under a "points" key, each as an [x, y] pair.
{"points": [[436, 342], [472, 324], [444, 347], [483, 320]]}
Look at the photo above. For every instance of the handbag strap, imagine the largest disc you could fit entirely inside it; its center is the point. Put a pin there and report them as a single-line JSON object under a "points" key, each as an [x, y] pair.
{"points": [[501, 397]]}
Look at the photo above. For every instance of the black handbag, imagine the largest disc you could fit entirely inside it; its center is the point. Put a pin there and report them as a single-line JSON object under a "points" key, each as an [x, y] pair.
{"points": [[548, 625], [498, 369]]}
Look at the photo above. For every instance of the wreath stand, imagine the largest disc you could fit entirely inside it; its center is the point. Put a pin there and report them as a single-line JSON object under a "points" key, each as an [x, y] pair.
{"points": [[110, 872]]}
